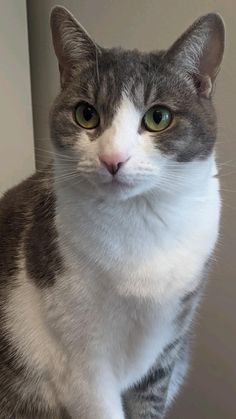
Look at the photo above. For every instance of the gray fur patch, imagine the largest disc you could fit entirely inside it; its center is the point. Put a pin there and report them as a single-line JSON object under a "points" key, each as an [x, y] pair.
{"points": [[43, 259]]}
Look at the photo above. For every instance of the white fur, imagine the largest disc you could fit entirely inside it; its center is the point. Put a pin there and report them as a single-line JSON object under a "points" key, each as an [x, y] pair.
{"points": [[130, 252]]}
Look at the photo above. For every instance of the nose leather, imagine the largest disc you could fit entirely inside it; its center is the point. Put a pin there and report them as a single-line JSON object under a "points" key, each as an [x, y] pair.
{"points": [[113, 163]]}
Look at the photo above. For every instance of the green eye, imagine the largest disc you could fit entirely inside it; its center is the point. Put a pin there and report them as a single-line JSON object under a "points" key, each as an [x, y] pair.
{"points": [[157, 119], [86, 116]]}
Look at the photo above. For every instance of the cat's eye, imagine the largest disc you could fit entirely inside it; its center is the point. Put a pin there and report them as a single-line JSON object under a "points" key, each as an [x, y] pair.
{"points": [[157, 119], [86, 116]]}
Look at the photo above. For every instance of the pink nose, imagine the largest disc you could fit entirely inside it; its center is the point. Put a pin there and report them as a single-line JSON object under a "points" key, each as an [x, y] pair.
{"points": [[113, 162]]}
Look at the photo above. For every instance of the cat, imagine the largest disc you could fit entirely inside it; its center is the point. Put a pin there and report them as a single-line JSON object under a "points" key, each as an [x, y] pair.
{"points": [[103, 255]]}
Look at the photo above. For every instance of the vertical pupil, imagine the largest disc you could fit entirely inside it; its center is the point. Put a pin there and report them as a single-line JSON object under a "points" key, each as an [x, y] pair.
{"points": [[157, 117], [88, 113]]}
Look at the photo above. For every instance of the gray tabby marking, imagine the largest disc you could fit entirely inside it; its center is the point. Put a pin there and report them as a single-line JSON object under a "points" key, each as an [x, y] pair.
{"points": [[147, 400]]}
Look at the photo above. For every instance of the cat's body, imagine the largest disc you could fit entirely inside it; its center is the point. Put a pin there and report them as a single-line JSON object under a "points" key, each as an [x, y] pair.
{"points": [[100, 280]]}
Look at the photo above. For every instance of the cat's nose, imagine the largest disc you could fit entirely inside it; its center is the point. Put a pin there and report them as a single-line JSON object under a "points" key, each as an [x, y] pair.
{"points": [[113, 162]]}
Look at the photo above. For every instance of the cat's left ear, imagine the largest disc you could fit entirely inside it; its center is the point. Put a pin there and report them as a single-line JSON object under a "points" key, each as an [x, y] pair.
{"points": [[199, 52], [73, 46]]}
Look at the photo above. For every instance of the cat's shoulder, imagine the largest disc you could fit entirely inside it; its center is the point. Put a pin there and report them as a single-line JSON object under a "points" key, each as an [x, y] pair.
{"points": [[26, 214], [24, 195]]}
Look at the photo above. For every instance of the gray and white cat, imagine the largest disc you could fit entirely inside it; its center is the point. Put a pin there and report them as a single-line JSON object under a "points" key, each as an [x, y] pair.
{"points": [[102, 256]]}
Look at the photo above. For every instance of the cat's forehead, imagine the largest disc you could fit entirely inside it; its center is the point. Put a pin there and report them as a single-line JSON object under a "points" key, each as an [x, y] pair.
{"points": [[141, 76]]}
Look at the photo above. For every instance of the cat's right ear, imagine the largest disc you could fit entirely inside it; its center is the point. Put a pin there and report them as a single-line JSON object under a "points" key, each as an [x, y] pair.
{"points": [[73, 46], [199, 51]]}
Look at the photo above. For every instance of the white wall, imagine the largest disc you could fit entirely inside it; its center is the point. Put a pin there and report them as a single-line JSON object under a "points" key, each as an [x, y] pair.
{"points": [[16, 131]]}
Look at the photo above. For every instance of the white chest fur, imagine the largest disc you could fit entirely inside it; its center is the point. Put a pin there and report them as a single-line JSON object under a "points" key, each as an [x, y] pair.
{"points": [[127, 265]]}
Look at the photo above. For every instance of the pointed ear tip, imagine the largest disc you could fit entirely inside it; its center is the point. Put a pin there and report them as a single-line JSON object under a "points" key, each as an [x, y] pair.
{"points": [[216, 20], [57, 13]]}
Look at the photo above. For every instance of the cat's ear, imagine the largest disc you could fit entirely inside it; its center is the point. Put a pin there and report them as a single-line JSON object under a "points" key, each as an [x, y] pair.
{"points": [[73, 45], [199, 52]]}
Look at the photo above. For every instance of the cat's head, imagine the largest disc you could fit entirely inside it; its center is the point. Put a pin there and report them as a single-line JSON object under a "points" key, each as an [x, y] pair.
{"points": [[125, 120]]}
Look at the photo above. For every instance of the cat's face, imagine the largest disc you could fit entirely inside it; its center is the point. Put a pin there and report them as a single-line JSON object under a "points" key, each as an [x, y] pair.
{"points": [[125, 120]]}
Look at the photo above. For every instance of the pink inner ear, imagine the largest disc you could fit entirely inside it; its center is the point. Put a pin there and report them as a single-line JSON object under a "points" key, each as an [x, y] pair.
{"points": [[65, 74], [205, 85], [211, 57]]}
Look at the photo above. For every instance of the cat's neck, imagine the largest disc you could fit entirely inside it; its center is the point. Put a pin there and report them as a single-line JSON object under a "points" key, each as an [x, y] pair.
{"points": [[82, 198]]}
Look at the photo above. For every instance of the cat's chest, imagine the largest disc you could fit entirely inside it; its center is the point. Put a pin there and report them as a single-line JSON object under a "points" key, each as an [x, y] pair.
{"points": [[142, 262], [116, 263], [125, 334], [133, 243]]}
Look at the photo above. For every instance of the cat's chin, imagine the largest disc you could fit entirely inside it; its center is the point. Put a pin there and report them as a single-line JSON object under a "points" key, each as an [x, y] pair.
{"points": [[117, 186], [119, 189], [117, 183]]}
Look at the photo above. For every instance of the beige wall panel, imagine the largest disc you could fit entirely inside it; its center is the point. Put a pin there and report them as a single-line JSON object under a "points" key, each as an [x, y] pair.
{"points": [[16, 132]]}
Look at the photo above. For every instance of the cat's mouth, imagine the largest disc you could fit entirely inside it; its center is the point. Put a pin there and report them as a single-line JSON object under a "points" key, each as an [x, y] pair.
{"points": [[117, 183]]}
